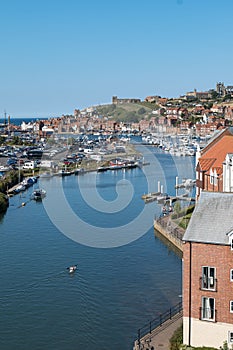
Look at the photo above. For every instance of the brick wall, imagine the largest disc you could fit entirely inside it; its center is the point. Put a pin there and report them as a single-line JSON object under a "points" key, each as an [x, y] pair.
{"points": [[220, 257]]}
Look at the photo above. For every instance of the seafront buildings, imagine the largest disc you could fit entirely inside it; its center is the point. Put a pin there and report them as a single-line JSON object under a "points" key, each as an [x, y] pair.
{"points": [[195, 113]]}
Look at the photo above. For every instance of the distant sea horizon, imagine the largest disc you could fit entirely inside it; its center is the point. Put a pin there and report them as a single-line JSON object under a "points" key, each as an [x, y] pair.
{"points": [[18, 120]]}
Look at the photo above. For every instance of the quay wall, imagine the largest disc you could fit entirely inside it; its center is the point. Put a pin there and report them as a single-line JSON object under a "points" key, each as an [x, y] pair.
{"points": [[173, 236]]}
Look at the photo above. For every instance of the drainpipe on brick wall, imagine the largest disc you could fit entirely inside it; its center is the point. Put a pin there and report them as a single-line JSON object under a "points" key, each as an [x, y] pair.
{"points": [[190, 290]]}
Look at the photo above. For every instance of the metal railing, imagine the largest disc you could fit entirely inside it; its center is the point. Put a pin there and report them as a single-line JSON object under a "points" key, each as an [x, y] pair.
{"points": [[158, 321], [175, 231], [208, 314]]}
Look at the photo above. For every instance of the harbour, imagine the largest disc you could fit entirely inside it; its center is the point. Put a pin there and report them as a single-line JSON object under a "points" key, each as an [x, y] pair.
{"points": [[126, 281]]}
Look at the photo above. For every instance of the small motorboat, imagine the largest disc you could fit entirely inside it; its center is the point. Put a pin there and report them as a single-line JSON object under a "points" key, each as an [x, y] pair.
{"points": [[38, 194], [72, 268]]}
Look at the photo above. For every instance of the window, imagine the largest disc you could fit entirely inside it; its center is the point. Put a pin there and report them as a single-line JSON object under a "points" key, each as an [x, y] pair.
{"points": [[208, 309], [230, 337], [208, 278], [231, 243], [231, 306], [211, 179], [231, 275]]}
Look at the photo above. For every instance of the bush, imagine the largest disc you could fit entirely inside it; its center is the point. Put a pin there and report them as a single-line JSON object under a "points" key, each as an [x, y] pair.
{"points": [[4, 202], [177, 339], [182, 212], [11, 179]]}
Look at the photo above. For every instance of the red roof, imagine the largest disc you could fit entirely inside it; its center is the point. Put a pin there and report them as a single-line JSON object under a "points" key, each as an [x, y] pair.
{"points": [[214, 155]]}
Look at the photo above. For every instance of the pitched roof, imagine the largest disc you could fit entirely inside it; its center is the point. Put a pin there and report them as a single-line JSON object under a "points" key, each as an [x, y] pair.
{"points": [[205, 164], [219, 170], [214, 156], [218, 134], [212, 219]]}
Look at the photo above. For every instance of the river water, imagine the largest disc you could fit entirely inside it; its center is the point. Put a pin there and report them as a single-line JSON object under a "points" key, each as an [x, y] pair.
{"points": [[120, 284]]}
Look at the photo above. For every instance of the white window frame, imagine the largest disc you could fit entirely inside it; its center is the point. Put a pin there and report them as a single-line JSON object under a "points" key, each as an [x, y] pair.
{"points": [[231, 306], [231, 275], [213, 178], [209, 279], [205, 310], [230, 336]]}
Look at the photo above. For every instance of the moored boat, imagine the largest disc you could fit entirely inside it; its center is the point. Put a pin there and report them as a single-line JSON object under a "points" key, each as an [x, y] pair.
{"points": [[38, 194], [64, 172], [102, 169], [20, 188]]}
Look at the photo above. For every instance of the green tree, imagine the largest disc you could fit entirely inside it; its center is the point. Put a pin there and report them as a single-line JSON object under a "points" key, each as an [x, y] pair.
{"points": [[214, 94], [2, 140], [3, 203], [177, 208]]}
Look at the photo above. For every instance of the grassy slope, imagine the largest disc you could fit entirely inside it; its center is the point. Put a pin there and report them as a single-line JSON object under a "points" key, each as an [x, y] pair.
{"points": [[126, 111]]}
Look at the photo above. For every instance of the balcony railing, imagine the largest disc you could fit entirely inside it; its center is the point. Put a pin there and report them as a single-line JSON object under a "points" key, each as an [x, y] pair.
{"points": [[209, 283], [208, 314]]}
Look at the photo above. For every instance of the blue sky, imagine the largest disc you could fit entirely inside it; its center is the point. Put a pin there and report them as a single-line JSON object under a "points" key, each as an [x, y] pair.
{"points": [[58, 55]]}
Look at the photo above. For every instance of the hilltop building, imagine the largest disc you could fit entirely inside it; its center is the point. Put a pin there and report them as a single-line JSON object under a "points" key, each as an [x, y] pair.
{"points": [[116, 100], [223, 90], [208, 273], [201, 95]]}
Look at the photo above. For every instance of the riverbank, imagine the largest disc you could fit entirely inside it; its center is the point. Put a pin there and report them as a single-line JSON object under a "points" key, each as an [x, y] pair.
{"points": [[4, 203], [169, 229], [129, 158]]}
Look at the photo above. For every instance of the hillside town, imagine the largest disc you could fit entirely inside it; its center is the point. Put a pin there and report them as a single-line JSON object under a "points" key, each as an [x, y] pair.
{"points": [[196, 113]]}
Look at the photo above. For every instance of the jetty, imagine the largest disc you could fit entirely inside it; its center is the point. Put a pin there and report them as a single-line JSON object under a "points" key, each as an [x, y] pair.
{"points": [[164, 198], [150, 197], [161, 197]]}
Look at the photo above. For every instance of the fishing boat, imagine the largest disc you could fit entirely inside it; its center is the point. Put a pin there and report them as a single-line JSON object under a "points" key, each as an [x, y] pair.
{"points": [[102, 169], [38, 194]]}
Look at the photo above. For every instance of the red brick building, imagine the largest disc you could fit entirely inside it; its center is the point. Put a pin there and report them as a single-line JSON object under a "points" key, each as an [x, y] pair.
{"points": [[209, 169], [208, 273]]}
